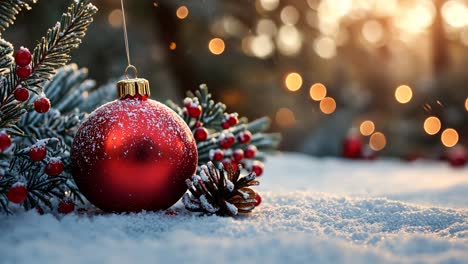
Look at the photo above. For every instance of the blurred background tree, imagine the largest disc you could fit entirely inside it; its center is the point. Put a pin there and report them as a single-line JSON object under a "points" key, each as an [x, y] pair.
{"points": [[318, 68]]}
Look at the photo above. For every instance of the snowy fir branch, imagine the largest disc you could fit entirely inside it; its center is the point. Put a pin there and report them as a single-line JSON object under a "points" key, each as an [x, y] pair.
{"points": [[9, 9], [36, 130], [222, 136]]}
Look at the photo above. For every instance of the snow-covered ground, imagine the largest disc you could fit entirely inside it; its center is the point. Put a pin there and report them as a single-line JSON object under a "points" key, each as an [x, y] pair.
{"points": [[313, 211]]}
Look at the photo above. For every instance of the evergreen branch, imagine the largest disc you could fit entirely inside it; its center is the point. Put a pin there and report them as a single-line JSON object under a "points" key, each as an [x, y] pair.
{"points": [[9, 9], [6, 56]]}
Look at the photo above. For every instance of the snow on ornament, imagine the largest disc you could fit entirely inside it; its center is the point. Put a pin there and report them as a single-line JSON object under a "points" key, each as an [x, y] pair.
{"points": [[134, 153]]}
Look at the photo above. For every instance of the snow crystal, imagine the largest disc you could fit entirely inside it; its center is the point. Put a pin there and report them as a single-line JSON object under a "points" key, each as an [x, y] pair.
{"points": [[206, 205]]}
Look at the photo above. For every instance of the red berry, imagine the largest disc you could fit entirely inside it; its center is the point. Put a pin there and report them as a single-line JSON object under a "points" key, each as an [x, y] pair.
{"points": [[228, 163], [37, 152], [258, 199], [54, 167], [217, 155], [250, 152], [194, 111], [200, 133], [39, 210], [227, 141], [188, 102], [24, 72], [232, 119], [42, 105], [5, 141], [17, 193], [198, 124], [66, 206], [244, 137], [238, 155], [23, 57], [257, 168], [225, 125], [21, 94]]}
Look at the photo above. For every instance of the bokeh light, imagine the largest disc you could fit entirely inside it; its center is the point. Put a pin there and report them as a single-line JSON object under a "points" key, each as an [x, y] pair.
{"points": [[317, 91], [285, 117], [182, 12], [367, 128], [289, 15], [455, 13], [466, 104], [372, 31], [115, 18], [269, 5], [377, 141], [293, 81], [432, 125], [262, 46], [449, 137], [403, 94], [325, 47], [327, 105], [266, 27], [216, 46], [172, 46], [289, 40]]}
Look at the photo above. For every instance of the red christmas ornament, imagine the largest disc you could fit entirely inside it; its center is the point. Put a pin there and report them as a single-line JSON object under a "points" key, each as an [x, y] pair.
{"points": [[132, 154], [200, 133], [194, 110], [238, 155], [457, 157], [66, 206], [244, 137], [42, 105], [17, 193], [23, 57], [54, 167], [21, 94], [258, 199], [257, 168], [38, 152], [250, 152], [217, 155], [5, 141], [24, 72], [352, 147]]}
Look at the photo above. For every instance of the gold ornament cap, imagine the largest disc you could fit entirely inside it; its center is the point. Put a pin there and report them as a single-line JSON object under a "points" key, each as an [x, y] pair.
{"points": [[133, 86]]}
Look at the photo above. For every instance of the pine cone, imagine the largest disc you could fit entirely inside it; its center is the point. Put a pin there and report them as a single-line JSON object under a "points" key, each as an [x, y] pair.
{"points": [[221, 192]]}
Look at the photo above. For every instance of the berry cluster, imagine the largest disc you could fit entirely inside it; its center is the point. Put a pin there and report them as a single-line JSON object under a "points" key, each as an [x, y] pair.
{"points": [[23, 60], [18, 192]]}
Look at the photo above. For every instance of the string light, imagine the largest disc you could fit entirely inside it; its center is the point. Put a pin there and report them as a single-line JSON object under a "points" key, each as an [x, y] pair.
{"points": [[317, 91], [327, 105], [293, 81], [377, 141], [432, 125], [449, 137], [367, 128], [182, 12], [403, 94], [216, 46]]}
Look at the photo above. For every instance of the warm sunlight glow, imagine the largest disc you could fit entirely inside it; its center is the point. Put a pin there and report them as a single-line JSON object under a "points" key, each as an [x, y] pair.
{"points": [[285, 117], [432, 125], [377, 141], [367, 128], [317, 91], [327, 105], [293, 81], [182, 12], [449, 137], [403, 94], [216, 46]]}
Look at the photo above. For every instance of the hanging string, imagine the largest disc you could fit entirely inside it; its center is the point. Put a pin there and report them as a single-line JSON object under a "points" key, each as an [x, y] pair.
{"points": [[129, 66]]}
